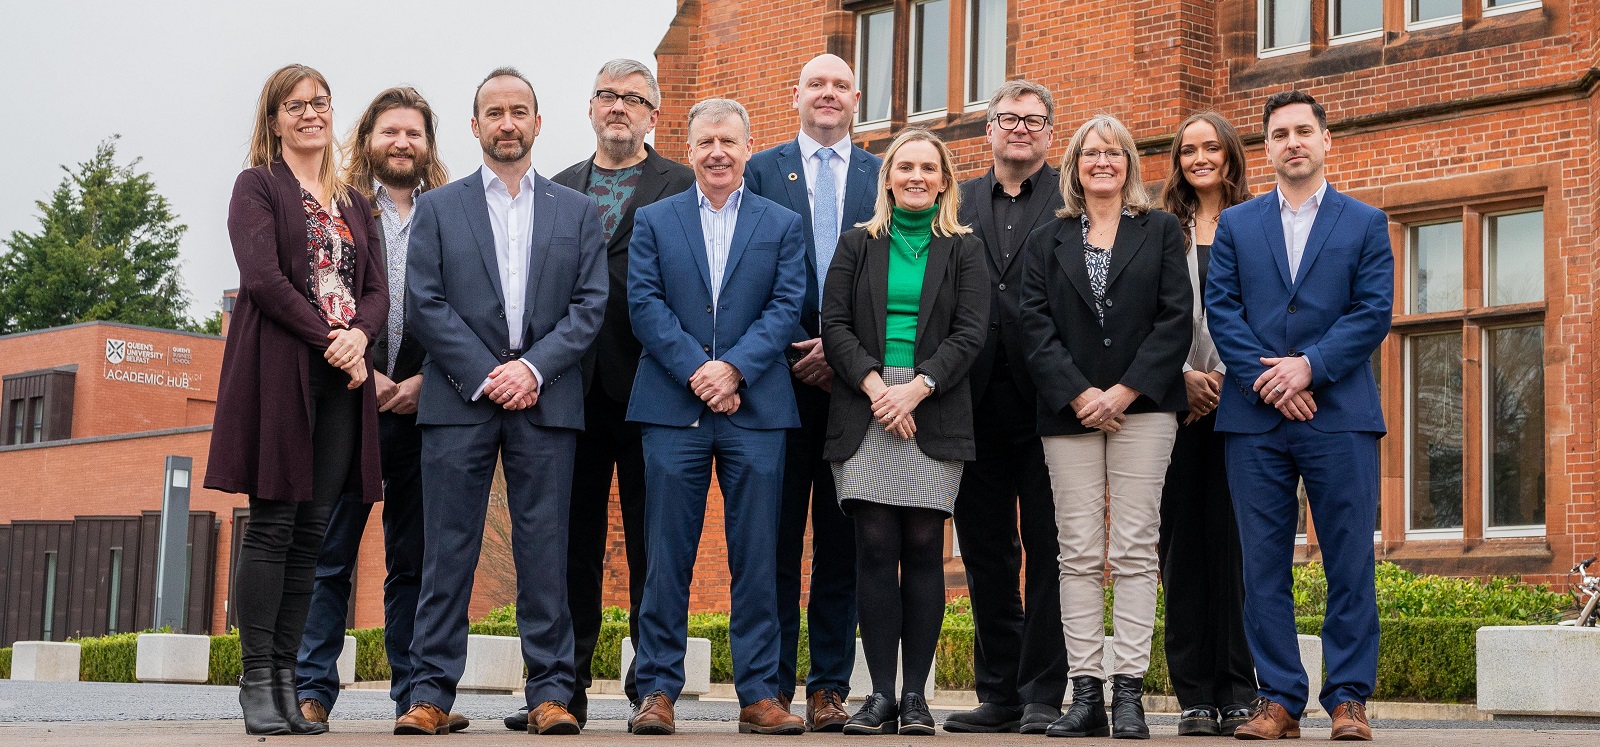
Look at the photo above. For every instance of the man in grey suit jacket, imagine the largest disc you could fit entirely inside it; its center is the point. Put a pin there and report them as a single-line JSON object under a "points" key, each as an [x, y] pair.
{"points": [[506, 291]]}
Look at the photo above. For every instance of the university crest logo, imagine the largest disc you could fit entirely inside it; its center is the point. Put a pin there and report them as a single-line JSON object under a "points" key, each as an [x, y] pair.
{"points": [[116, 351]]}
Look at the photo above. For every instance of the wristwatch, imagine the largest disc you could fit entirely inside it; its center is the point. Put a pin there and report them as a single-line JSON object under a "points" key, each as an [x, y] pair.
{"points": [[928, 382]]}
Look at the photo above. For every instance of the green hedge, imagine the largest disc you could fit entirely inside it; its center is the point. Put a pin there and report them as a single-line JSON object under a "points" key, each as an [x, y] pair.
{"points": [[109, 658], [5, 663]]}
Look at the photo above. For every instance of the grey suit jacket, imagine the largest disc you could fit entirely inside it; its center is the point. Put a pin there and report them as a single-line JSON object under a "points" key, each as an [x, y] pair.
{"points": [[455, 305]]}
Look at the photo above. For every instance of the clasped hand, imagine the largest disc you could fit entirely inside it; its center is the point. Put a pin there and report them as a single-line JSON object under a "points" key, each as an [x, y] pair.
{"points": [[812, 368], [1103, 410], [1284, 385], [512, 385], [347, 352], [717, 384], [1204, 391], [893, 405]]}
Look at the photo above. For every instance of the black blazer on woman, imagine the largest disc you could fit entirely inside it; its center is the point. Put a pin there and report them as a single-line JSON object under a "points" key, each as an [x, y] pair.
{"points": [[1146, 335], [952, 319]]}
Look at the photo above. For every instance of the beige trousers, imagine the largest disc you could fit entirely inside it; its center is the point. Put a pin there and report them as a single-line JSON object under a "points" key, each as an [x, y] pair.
{"points": [[1133, 463]]}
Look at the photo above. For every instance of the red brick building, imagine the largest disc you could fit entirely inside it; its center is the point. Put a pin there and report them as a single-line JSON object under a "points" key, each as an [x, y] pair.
{"points": [[1471, 122]]}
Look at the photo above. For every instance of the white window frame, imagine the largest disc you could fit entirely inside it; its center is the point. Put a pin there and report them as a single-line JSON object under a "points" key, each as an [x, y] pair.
{"points": [[970, 47], [1489, 12], [913, 115], [1483, 244], [1262, 50], [1359, 36], [1411, 262], [1410, 426], [1493, 532], [1432, 23], [861, 25]]}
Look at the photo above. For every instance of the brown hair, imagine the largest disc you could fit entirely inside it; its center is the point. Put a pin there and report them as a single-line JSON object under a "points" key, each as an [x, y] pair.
{"points": [[1111, 130], [1178, 196], [358, 169], [946, 222], [266, 146]]}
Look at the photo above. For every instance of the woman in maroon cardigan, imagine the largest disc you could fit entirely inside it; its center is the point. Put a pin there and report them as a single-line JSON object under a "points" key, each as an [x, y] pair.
{"points": [[297, 421]]}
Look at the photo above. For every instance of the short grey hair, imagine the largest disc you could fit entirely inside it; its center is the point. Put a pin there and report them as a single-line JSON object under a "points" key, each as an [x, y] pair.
{"points": [[716, 110], [1018, 88], [623, 67]]}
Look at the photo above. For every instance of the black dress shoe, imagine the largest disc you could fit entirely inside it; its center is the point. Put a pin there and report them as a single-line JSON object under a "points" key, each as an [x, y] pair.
{"points": [[1200, 721], [1127, 708], [288, 703], [987, 718], [1036, 717], [517, 721], [1086, 717], [915, 720], [1234, 716], [877, 716], [260, 705]]}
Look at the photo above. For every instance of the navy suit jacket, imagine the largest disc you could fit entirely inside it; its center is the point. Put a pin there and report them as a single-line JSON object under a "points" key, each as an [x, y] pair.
{"points": [[669, 303], [778, 174], [1335, 312], [455, 306]]}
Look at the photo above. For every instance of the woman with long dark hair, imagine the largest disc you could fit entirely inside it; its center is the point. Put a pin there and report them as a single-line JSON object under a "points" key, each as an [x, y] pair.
{"points": [[297, 418]]}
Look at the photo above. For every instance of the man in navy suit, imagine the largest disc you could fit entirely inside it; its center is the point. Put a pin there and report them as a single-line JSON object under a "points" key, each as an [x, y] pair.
{"points": [[1300, 294], [506, 289], [715, 279], [831, 184]]}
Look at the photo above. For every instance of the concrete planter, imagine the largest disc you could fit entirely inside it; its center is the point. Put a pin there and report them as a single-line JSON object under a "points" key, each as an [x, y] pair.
{"points": [[696, 666], [1545, 670], [861, 679], [172, 657], [347, 662], [494, 664], [45, 661]]}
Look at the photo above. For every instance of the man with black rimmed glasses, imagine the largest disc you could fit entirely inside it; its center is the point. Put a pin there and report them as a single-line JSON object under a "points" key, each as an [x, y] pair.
{"points": [[1020, 659], [624, 173]]}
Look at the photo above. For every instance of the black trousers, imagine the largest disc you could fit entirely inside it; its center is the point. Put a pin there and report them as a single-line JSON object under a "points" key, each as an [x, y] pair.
{"points": [[609, 443], [278, 553], [1208, 655], [1004, 513], [831, 612]]}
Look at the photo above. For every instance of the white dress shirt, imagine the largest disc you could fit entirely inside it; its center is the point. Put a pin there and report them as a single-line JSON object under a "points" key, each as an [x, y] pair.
{"points": [[1297, 225], [841, 169], [512, 221], [1202, 351], [717, 225]]}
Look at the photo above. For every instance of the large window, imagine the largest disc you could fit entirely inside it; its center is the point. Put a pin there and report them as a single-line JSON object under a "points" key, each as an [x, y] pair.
{"points": [[953, 57], [1349, 19], [875, 64], [1428, 13], [986, 48], [1285, 26], [930, 55]]}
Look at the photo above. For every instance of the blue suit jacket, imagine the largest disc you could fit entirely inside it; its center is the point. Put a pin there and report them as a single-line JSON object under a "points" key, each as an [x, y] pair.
{"points": [[768, 174], [669, 303], [455, 307], [1336, 312]]}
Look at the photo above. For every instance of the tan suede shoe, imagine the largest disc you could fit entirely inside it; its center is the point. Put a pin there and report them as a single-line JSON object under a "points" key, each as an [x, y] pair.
{"points": [[312, 711]]}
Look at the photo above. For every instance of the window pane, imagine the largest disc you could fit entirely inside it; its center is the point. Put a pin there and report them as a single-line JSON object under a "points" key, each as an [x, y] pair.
{"points": [[1425, 10], [1516, 258], [1286, 23], [1515, 405], [1436, 267], [930, 71], [1435, 431], [988, 48], [875, 63], [114, 597], [1354, 16], [19, 414], [38, 418]]}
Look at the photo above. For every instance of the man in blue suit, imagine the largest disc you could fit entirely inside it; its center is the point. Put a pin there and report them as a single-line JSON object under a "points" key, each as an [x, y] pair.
{"points": [[715, 279], [1300, 295], [831, 184], [506, 289]]}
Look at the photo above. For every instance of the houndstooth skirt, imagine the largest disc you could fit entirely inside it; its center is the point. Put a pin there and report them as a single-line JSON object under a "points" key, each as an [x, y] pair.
{"points": [[892, 470]]}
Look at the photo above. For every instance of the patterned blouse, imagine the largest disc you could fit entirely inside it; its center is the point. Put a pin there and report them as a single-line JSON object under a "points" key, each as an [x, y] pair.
{"points": [[1098, 261], [333, 263]]}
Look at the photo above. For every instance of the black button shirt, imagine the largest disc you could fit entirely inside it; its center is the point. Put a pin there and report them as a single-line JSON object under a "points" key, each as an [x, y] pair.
{"points": [[1008, 213]]}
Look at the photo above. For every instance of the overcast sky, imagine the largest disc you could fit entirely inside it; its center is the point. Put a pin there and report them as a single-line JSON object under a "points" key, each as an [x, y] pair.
{"points": [[178, 79]]}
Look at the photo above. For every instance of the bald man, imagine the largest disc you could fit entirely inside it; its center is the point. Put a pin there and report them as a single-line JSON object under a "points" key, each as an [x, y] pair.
{"points": [[832, 185]]}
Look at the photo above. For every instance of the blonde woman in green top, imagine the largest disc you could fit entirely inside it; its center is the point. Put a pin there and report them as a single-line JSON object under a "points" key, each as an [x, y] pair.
{"points": [[904, 315]]}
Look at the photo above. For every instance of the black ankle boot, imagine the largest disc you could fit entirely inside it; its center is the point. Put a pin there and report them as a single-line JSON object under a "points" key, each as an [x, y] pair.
{"points": [[1086, 717], [257, 699], [288, 704], [1127, 708]]}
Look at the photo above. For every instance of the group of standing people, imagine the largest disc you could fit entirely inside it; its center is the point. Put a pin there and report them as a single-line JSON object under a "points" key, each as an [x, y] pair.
{"points": [[1087, 379]]}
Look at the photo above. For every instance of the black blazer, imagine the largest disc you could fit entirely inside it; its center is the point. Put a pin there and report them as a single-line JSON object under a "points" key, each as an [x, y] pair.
{"points": [[615, 352], [1146, 335], [977, 210], [950, 332], [408, 362]]}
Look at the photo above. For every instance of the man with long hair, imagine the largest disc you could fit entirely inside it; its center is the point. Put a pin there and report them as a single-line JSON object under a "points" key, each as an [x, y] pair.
{"points": [[390, 159]]}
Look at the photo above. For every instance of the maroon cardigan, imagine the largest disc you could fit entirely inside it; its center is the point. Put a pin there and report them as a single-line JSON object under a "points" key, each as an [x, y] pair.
{"points": [[261, 435]]}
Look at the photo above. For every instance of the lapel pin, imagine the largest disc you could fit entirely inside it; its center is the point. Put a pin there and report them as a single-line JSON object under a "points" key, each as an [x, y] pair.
{"points": [[793, 176]]}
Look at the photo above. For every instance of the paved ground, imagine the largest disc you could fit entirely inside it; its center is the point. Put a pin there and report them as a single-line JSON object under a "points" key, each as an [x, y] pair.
{"points": [[180, 715]]}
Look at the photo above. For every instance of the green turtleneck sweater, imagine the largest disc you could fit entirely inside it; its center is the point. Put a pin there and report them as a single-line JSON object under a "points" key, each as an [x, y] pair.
{"points": [[910, 231]]}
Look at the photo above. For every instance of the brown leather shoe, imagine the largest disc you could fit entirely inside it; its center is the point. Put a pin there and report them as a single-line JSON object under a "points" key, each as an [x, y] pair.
{"points": [[312, 711], [458, 722], [551, 717], [423, 718], [653, 716], [768, 717], [825, 711], [785, 700], [1350, 722], [1269, 720]]}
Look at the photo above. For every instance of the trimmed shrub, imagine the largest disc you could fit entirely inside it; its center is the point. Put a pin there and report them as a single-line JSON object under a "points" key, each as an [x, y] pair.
{"points": [[225, 664], [372, 659], [112, 658], [1402, 593], [5, 663]]}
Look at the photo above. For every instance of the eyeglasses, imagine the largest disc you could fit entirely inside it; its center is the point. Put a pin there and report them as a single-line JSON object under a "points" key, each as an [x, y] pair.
{"points": [[1009, 121], [320, 104], [609, 98], [1111, 154]]}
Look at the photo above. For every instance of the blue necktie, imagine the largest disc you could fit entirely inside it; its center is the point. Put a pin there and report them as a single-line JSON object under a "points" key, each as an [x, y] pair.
{"points": [[825, 216]]}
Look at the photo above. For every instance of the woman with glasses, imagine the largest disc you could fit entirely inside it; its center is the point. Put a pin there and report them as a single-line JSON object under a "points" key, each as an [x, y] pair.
{"points": [[1105, 313], [1207, 653], [903, 315], [297, 417]]}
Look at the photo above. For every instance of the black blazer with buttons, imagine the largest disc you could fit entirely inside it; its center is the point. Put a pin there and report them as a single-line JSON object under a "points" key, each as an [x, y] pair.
{"points": [[1147, 332], [952, 315]]}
